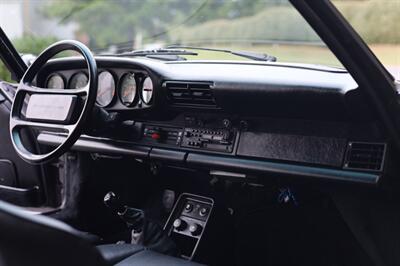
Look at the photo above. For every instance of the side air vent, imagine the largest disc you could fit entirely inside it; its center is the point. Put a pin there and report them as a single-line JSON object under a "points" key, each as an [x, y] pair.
{"points": [[191, 94], [365, 156]]}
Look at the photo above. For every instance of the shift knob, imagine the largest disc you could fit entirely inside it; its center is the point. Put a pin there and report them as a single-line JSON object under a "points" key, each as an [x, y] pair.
{"points": [[112, 201]]}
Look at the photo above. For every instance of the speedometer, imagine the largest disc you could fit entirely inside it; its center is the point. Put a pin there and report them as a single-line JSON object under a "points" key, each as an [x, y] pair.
{"points": [[127, 89], [105, 89], [147, 90]]}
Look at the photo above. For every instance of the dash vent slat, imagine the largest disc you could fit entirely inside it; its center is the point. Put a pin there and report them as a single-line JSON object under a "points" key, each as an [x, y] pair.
{"points": [[190, 94], [365, 156]]}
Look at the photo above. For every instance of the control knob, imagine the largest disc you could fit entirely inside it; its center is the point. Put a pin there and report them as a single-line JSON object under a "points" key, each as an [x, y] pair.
{"points": [[188, 207], [179, 224], [195, 229], [203, 211]]}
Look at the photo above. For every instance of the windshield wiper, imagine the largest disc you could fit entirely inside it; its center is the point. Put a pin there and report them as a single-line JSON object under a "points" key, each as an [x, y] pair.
{"points": [[161, 54], [246, 54]]}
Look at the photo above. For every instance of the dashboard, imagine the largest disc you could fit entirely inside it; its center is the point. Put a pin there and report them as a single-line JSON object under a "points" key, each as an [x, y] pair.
{"points": [[232, 118]]}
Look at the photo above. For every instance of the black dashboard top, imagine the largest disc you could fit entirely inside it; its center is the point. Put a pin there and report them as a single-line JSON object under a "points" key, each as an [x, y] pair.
{"points": [[248, 88]]}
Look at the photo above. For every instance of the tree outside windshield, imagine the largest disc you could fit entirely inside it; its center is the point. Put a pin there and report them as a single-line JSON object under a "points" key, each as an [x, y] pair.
{"points": [[267, 26]]}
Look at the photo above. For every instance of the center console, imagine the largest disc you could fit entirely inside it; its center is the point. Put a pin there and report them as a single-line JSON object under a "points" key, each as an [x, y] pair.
{"points": [[188, 221]]}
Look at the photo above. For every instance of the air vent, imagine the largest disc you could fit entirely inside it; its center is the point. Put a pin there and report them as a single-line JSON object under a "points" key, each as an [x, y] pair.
{"points": [[191, 94], [365, 156]]}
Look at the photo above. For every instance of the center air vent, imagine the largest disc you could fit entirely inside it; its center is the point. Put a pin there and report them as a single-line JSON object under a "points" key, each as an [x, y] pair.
{"points": [[365, 156], [191, 94]]}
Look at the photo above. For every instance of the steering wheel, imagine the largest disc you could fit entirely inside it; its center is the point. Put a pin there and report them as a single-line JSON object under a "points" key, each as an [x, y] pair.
{"points": [[64, 110]]}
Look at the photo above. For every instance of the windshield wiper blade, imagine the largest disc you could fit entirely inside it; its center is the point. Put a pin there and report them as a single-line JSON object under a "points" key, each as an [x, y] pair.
{"points": [[246, 54]]}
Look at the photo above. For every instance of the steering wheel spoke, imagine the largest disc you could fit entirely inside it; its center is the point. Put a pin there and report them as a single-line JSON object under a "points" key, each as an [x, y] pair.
{"points": [[19, 123]]}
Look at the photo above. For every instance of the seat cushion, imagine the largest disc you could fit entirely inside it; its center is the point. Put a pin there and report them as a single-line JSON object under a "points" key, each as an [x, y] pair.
{"points": [[114, 253], [151, 258]]}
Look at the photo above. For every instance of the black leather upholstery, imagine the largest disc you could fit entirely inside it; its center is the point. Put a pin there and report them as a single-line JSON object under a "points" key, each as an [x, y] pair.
{"points": [[27, 239], [151, 258], [114, 253]]}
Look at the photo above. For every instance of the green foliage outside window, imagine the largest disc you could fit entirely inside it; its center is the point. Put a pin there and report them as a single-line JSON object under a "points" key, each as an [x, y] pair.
{"points": [[26, 45]]}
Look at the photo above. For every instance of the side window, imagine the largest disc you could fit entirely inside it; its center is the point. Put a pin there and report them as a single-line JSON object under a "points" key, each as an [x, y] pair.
{"points": [[377, 22], [5, 74]]}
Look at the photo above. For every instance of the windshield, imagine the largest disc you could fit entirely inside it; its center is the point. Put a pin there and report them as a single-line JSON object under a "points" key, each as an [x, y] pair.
{"points": [[272, 27]]}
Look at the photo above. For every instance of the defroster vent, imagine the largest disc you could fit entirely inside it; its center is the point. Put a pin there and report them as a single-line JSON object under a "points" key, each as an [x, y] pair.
{"points": [[365, 156]]}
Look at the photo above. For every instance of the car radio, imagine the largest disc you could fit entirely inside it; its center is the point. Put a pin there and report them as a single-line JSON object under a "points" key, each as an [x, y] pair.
{"points": [[221, 140]]}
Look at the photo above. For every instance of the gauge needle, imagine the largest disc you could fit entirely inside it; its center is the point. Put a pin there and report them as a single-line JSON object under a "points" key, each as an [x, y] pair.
{"points": [[102, 93]]}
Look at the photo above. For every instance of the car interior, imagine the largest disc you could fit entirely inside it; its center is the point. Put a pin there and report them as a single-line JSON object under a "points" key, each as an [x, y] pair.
{"points": [[118, 160]]}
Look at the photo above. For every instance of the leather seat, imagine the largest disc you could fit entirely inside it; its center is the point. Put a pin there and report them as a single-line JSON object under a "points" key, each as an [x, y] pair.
{"points": [[128, 254], [114, 253], [27, 239]]}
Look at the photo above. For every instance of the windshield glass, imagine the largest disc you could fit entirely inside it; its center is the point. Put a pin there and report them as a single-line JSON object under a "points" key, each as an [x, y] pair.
{"points": [[273, 27], [378, 23]]}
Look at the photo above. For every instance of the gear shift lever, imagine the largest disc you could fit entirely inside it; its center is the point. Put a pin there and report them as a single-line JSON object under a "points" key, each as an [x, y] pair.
{"points": [[134, 218], [112, 201], [143, 231]]}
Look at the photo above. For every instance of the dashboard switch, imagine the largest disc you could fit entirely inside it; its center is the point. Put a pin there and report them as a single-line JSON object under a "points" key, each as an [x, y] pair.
{"points": [[156, 136]]}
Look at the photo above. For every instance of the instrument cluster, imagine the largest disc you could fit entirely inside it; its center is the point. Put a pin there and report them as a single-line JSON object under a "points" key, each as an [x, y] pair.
{"points": [[131, 89]]}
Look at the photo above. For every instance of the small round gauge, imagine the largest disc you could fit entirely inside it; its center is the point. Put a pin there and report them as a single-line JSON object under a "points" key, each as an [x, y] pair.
{"points": [[105, 89], [78, 81], [127, 89], [147, 90], [55, 81]]}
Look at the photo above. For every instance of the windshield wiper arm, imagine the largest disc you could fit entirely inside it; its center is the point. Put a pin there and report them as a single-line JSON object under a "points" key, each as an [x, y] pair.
{"points": [[161, 54], [246, 54], [154, 52]]}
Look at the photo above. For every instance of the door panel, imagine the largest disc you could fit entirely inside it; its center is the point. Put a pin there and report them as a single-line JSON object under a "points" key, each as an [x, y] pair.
{"points": [[20, 182]]}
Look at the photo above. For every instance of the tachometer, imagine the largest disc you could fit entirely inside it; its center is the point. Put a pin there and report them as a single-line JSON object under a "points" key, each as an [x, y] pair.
{"points": [[147, 90], [55, 81], [127, 89], [105, 89], [78, 81]]}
